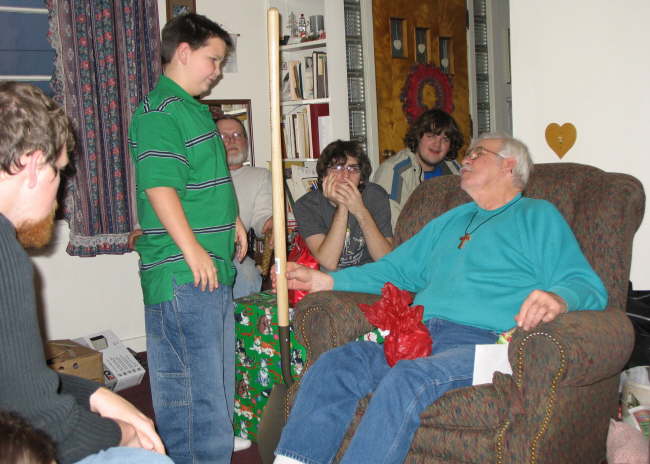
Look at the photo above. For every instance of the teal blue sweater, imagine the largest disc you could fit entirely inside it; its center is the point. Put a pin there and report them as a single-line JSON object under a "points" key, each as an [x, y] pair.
{"points": [[523, 246]]}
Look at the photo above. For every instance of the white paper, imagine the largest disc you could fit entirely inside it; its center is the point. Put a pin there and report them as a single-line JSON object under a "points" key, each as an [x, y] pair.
{"points": [[487, 360]]}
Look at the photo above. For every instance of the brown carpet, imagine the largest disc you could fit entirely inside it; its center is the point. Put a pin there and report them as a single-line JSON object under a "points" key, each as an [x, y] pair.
{"points": [[140, 396]]}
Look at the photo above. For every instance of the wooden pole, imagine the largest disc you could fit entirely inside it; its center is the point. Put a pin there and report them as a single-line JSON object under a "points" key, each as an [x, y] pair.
{"points": [[277, 174], [273, 418]]}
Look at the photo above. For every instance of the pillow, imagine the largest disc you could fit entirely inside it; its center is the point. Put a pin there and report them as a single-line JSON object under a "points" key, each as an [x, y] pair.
{"points": [[626, 445]]}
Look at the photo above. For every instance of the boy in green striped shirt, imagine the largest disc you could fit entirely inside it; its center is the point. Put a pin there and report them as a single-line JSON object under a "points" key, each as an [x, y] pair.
{"points": [[188, 213]]}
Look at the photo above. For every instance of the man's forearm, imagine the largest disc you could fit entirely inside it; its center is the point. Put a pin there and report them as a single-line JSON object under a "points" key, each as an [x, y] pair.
{"points": [[378, 245], [328, 252]]}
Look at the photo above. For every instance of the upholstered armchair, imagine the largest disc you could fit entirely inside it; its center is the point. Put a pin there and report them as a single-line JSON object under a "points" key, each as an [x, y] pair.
{"points": [[555, 407]]}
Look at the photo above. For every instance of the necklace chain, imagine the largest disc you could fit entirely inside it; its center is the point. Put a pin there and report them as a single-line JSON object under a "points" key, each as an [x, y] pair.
{"points": [[468, 234]]}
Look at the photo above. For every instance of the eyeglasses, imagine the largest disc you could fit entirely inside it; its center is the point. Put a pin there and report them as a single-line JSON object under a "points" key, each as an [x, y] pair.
{"points": [[479, 151], [350, 169], [233, 136]]}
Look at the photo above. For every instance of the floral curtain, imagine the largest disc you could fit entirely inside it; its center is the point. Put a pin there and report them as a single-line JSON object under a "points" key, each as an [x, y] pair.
{"points": [[108, 58]]}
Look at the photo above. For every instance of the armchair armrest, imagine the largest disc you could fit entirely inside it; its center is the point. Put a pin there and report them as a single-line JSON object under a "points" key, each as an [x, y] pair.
{"points": [[588, 346], [325, 320]]}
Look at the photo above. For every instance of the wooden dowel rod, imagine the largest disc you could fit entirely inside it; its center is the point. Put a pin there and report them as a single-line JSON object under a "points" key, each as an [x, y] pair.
{"points": [[277, 174]]}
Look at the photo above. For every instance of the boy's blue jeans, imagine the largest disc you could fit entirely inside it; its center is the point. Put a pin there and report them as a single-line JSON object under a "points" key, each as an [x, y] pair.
{"points": [[333, 386], [191, 356]]}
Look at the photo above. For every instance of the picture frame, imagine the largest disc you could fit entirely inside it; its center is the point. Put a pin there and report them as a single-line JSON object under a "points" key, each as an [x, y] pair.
{"points": [[241, 109], [178, 7], [422, 42], [398, 42]]}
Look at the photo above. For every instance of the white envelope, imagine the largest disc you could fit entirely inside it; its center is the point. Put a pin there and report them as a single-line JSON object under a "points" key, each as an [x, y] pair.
{"points": [[489, 359]]}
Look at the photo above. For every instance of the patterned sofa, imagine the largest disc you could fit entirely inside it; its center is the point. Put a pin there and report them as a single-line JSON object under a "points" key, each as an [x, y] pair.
{"points": [[556, 406]]}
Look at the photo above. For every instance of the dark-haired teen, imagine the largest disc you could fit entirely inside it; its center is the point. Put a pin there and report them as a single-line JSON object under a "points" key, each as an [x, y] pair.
{"points": [[188, 213], [432, 144], [346, 222]]}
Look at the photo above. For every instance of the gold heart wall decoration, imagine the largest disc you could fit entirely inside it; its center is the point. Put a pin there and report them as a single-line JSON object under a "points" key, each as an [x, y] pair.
{"points": [[560, 138]]}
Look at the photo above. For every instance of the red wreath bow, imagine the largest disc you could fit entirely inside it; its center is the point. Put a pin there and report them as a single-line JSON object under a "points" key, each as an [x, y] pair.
{"points": [[409, 337]]}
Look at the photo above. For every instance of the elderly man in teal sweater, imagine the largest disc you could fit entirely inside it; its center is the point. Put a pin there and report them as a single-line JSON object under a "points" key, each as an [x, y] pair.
{"points": [[480, 269]]}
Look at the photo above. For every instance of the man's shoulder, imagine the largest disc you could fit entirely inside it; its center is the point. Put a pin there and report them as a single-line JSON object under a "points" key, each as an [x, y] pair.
{"points": [[254, 172], [404, 158], [311, 199], [538, 205], [395, 168], [374, 190]]}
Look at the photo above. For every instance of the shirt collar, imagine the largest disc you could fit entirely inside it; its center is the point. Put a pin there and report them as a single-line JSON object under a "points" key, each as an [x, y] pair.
{"points": [[170, 86]]}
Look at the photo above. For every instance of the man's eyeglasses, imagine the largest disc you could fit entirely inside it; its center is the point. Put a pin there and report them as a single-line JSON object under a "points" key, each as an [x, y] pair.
{"points": [[350, 169], [233, 136], [479, 151]]}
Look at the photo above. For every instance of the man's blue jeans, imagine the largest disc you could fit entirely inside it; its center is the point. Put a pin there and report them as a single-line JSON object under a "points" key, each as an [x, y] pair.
{"points": [[191, 356], [248, 280], [333, 386]]}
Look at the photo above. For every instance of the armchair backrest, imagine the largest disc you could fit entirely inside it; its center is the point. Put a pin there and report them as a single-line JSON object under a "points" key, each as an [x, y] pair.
{"points": [[603, 209]]}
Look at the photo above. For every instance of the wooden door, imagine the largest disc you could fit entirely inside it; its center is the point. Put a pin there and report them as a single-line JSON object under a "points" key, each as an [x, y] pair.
{"points": [[406, 28]]}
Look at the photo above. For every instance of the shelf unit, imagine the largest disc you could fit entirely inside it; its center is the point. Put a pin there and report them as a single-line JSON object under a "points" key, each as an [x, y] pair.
{"points": [[333, 45]]}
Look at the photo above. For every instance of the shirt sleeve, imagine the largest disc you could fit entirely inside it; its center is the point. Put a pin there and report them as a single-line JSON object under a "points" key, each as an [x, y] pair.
{"points": [[564, 269], [379, 208], [309, 221], [403, 266], [159, 152], [263, 203]]}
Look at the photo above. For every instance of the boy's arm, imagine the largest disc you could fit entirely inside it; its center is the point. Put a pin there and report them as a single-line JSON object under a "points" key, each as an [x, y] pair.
{"points": [[169, 210]]}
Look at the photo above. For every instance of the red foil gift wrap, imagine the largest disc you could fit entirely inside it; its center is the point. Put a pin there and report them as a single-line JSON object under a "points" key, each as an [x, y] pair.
{"points": [[300, 254], [409, 338]]}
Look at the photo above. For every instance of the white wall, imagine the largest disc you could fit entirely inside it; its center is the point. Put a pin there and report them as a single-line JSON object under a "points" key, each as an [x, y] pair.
{"points": [[586, 62], [84, 295], [248, 19]]}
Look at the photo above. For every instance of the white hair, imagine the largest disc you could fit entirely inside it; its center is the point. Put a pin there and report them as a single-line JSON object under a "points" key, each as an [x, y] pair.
{"points": [[512, 148]]}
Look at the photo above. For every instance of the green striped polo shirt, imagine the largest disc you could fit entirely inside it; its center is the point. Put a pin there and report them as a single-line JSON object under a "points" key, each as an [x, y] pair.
{"points": [[174, 143]]}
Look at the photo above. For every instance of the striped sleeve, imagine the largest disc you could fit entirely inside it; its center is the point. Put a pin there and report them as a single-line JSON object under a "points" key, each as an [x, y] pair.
{"points": [[159, 152]]}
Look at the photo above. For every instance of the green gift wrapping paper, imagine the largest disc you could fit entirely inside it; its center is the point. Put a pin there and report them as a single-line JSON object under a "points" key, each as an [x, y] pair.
{"points": [[257, 358]]}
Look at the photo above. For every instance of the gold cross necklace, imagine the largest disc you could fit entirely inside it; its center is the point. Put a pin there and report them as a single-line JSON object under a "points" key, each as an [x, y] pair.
{"points": [[468, 235]]}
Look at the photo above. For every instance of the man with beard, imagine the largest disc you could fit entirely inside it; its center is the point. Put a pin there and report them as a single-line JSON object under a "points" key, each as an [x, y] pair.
{"points": [[81, 417], [253, 190], [432, 144]]}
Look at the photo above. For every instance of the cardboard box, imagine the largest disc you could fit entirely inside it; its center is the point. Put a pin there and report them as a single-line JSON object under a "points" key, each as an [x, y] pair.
{"points": [[72, 358], [121, 369]]}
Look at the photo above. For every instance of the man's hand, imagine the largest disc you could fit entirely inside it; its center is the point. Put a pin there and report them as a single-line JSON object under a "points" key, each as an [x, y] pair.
{"points": [[348, 195], [331, 184], [303, 278], [267, 228], [241, 239], [133, 237], [539, 306], [137, 429]]}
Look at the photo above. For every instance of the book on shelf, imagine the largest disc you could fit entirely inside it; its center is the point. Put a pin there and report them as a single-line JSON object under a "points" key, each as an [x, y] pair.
{"points": [[285, 93], [320, 74], [316, 111], [307, 81], [295, 80], [306, 130], [325, 131]]}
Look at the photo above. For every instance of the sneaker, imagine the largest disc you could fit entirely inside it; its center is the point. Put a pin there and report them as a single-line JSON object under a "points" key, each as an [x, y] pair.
{"points": [[241, 444]]}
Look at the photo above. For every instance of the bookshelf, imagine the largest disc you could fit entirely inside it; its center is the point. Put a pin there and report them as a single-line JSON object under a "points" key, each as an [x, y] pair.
{"points": [[313, 114]]}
